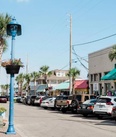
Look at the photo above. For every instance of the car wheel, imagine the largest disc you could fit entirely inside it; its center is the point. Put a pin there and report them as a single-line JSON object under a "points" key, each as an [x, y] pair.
{"points": [[99, 117], [74, 111], [63, 110], [85, 115], [74, 104], [29, 102], [45, 108]]}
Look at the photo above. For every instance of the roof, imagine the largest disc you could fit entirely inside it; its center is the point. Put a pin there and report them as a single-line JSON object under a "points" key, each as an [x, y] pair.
{"points": [[81, 84], [110, 76]]}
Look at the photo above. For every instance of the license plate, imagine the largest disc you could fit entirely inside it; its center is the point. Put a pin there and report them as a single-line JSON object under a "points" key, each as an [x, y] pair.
{"points": [[101, 106], [83, 107]]}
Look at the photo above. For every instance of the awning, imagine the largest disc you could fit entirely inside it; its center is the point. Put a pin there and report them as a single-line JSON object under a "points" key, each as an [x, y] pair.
{"points": [[64, 85], [41, 88], [110, 76], [81, 84]]}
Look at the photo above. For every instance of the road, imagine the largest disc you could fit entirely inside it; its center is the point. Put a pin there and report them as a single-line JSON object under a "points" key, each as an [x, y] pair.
{"points": [[31, 121]]}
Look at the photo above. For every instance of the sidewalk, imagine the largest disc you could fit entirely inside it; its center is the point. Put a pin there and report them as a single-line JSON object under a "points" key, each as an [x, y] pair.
{"points": [[3, 131]]}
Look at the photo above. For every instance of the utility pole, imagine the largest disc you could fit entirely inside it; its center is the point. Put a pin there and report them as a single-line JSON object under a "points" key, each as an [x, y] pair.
{"points": [[70, 55]]}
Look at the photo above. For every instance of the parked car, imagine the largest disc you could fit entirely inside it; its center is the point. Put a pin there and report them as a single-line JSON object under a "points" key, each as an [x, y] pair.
{"points": [[3, 99], [18, 99], [104, 106], [86, 108], [51, 103], [71, 102], [45, 103], [39, 99], [30, 99], [114, 113]]}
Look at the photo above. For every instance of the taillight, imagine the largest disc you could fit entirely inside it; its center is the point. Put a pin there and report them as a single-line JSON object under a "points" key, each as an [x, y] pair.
{"points": [[90, 107], [113, 109], [109, 103], [40, 100], [67, 102]]}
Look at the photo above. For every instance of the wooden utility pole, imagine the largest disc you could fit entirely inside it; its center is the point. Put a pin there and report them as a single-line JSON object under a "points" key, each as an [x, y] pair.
{"points": [[70, 54]]}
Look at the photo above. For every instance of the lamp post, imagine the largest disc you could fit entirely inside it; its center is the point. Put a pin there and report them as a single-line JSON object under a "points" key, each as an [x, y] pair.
{"points": [[13, 29]]}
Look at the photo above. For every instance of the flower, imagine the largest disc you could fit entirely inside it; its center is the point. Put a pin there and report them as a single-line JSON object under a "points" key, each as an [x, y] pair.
{"points": [[12, 62], [2, 109]]}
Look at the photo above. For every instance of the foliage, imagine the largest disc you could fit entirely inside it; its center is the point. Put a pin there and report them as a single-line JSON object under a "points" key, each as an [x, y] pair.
{"points": [[12, 62], [44, 71], [2, 109], [112, 53], [4, 20]]}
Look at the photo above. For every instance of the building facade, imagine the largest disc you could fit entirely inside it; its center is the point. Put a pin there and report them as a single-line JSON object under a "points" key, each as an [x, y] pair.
{"points": [[100, 65], [58, 76]]}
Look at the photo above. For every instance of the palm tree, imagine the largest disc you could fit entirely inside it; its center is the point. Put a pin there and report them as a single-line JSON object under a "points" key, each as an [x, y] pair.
{"points": [[44, 71], [4, 20], [35, 76], [6, 88], [27, 78], [20, 80], [112, 53], [73, 72]]}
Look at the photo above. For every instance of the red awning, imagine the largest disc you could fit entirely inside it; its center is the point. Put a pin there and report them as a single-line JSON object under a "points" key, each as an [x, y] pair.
{"points": [[81, 84]]}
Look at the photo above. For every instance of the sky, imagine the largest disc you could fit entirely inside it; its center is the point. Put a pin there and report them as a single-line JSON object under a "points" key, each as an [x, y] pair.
{"points": [[45, 38]]}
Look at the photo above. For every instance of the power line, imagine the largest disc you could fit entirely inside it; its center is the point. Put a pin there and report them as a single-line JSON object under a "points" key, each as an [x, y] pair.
{"points": [[79, 59], [94, 40]]}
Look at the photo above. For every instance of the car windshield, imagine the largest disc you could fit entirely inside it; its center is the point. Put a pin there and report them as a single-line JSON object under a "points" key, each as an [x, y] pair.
{"points": [[104, 100]]}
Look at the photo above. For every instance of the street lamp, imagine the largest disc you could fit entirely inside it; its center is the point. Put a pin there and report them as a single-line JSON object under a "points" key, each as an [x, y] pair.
{"points": [[13, 29]]}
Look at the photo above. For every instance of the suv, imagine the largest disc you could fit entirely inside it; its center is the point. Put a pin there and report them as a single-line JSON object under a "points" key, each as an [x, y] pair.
{"points": [[30, 99], [104, 106]]}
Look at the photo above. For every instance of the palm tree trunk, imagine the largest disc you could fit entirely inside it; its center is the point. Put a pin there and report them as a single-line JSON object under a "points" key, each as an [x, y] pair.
{"points": [[1, 51]]}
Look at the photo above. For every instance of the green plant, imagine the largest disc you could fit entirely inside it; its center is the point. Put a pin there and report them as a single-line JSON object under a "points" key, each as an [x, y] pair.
{"points": [[2, 109], [12, 62]]}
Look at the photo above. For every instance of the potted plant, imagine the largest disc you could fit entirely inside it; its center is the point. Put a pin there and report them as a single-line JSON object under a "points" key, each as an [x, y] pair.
{"points": [[12, 66], [2, 110]]}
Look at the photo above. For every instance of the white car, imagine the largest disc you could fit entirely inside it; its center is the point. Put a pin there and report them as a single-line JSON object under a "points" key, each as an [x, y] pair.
{"points": [[51, 103], [45, 103], [104, 106], [38, 100]]}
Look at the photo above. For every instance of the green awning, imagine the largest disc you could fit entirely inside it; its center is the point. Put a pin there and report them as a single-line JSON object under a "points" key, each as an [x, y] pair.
{"points": [[41, 88], [110, 76], [64, 85]]}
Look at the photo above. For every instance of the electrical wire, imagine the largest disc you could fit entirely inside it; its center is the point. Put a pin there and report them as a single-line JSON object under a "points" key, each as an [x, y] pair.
{"points": [[94, 40], [74, 52]]}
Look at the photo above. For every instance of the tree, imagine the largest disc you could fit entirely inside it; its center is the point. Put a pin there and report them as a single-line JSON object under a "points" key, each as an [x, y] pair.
{"points": [[20, 80], [35, 76], [112, 53], [73, 72], [4, 20], [44, 71], [5, 89], [28, 78]]}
